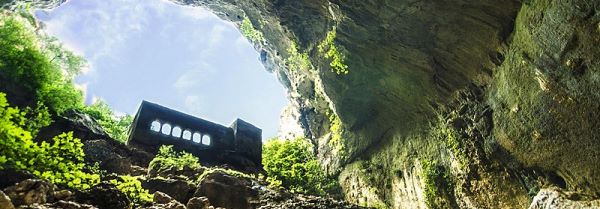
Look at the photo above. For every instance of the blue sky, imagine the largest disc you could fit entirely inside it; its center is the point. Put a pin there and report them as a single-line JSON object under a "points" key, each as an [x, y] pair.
{"points": [[182, 57]]}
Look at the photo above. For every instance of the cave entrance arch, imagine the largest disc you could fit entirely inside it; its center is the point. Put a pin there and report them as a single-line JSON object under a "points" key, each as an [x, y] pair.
{"points": [[192, 88]]}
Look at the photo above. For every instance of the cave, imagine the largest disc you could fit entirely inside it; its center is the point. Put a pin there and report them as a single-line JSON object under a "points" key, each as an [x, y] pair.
{"points": [[439, 104]]}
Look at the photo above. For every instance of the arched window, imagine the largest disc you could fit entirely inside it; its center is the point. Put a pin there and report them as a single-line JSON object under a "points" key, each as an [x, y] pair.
{"points": [[196, 137], [187, 135], [206, 140], [155, 126], [166, 129], [176, 132]]}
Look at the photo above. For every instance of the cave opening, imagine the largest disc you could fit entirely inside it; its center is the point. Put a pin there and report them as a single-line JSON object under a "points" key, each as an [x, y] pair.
{"points": [[182, 57]]}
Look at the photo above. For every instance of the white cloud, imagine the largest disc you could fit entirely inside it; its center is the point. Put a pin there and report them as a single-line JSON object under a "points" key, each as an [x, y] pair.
{"points": [[109, 25], [193, 77], [193, 104]]}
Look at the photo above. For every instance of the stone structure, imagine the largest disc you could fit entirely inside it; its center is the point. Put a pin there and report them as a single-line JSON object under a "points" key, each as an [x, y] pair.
{"points": [[239, 145]]}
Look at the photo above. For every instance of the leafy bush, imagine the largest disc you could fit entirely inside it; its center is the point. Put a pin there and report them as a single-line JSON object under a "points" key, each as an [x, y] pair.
{"points": [[168, 158], [117, 127], [60, 162], [248, 30], [330, 51], [36, 64], [132, 187], [291, 164], [297, 61]]}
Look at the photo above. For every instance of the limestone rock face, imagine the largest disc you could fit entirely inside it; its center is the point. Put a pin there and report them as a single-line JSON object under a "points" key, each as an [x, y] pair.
{"points": [[556, 198], [45, 4], [224, 190]]}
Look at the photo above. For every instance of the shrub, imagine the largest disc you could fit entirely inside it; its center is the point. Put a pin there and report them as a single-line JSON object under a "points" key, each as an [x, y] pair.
{"points": [[297, 61], [132, 187], [291, 164], [60, 162], [330, 51], [248, 30], [117, 127], [168, 158], [36, 64]]}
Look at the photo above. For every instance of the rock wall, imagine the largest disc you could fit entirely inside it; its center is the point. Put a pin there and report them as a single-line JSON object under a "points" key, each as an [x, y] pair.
{"points": [[462, 103]]}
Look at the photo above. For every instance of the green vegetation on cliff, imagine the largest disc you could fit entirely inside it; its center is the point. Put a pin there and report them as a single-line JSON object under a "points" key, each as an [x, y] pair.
{"points": [[248, 30], [117, 127], [336, 129], [168, 158], [291, 164], [39, 65], [132, 187], [36, 65], [331, 51], [60, 162], [297, 60], [439, 187]]}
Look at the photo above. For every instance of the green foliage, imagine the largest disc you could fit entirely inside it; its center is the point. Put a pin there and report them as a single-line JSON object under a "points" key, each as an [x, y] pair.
{"points": [[36, 64], [248, 30], [330, 51], [291, 164], [132, 187], [117, 127], [168, 158], [60, 162], [336, 128], [297, 61], [439, 187]]}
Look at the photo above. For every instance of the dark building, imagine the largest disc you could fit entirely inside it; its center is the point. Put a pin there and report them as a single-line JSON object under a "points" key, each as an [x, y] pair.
{"points": [[239, 145]]}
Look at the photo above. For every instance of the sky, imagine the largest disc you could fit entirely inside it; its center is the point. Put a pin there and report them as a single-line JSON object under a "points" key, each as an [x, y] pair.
{"points": [[184, 58]]}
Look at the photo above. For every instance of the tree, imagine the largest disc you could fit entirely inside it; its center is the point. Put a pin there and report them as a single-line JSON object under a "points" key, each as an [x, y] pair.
{"points": [[291, 164]]}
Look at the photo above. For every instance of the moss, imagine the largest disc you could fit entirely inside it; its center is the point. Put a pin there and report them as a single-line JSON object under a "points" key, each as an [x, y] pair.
{"points": [[443, 132], [336, 128], [330, 51], [439, 187], [248, 30]]}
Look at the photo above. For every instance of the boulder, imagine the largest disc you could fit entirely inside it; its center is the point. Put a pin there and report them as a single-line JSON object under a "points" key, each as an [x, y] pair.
{"points": [[554, 197], [104, 196], [83, 126], [186, 171], [5, 202], [228, 191], [179, 190], [198, 203], [10, 177], [29, 192], [164, 201], [59, 205], [116, 157]]}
